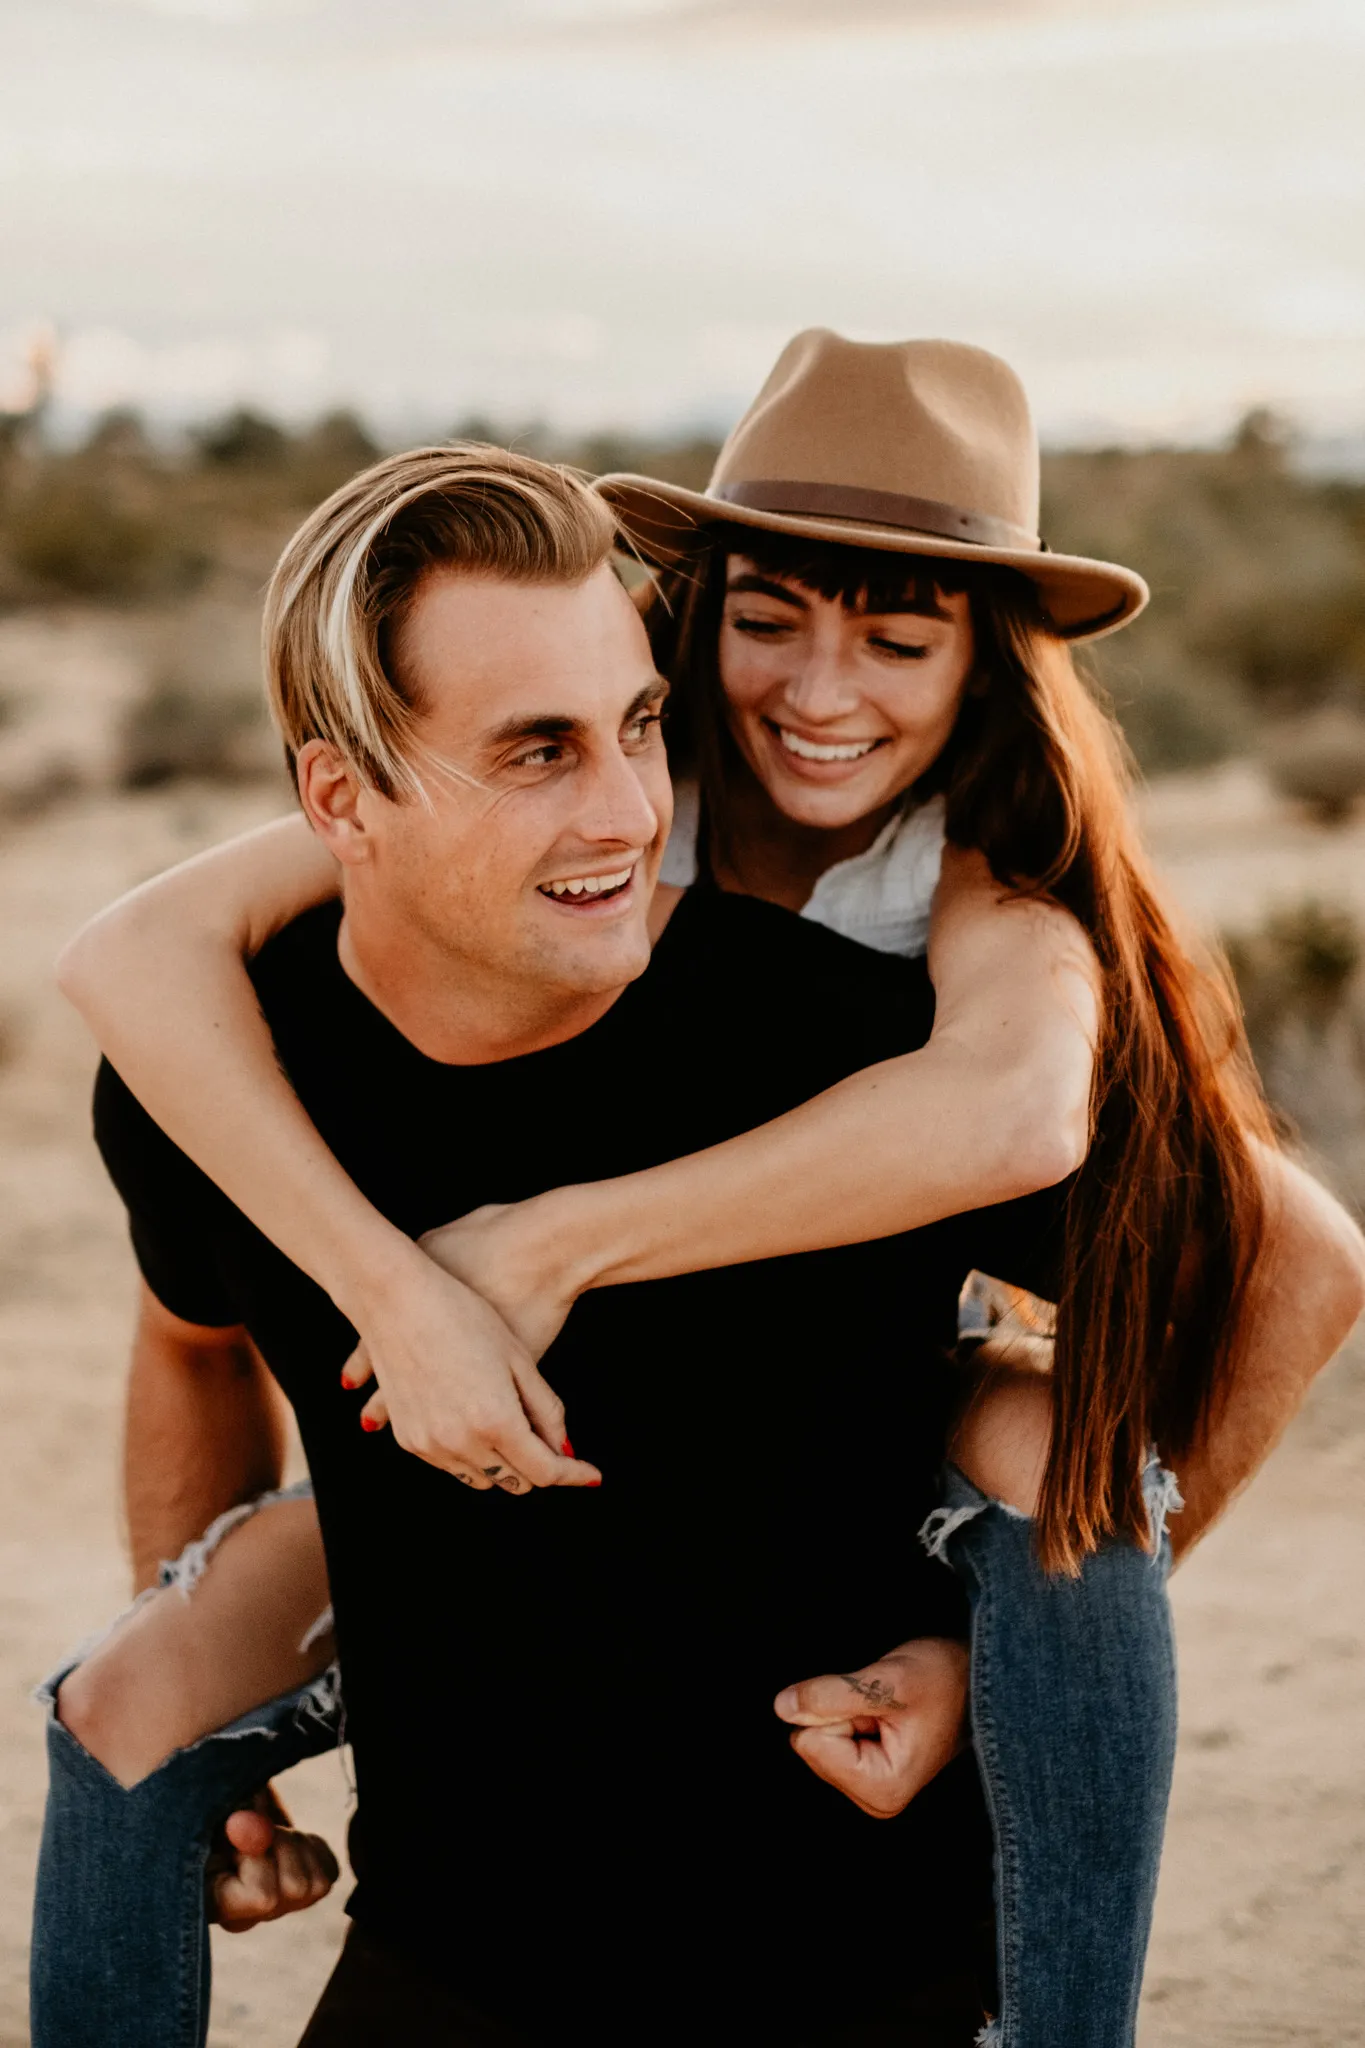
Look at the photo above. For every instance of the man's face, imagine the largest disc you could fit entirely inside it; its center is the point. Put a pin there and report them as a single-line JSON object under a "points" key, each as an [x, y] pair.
{"points": [[545, 695]]}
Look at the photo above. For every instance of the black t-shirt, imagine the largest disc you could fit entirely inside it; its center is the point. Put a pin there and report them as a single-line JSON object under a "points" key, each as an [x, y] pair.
{"points": [[574, 1796]]}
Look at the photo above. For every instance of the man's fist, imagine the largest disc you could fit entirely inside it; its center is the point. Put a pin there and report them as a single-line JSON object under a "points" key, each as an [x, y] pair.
{"points": [[880, 1734], [264, 1868]]}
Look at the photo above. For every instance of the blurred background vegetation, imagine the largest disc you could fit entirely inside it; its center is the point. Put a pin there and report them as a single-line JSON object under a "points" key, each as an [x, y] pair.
{"points": [[1254, 644], [143, 563]]}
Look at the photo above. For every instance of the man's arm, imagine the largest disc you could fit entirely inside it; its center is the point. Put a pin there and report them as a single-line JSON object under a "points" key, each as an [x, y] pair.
{"points": [[204, 1430]]}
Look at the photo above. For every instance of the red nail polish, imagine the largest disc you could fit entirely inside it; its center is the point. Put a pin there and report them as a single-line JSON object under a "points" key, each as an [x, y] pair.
{"points": [[568, 1448], [370, 1422], [594, 1482]]}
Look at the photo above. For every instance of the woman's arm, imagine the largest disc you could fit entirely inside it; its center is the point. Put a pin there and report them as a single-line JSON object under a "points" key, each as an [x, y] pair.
{"points": [[994, 1106], [159, 977]]}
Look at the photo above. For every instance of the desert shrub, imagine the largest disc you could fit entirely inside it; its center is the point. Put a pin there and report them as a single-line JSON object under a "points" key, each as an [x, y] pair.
{"points": [[203, 713], [1304, 997], [1177, 713], [688, 460], [332, 450], [243, 439], [177, 731], [1258, 585], [70, 533], [1301, 962], [1319, 762]]}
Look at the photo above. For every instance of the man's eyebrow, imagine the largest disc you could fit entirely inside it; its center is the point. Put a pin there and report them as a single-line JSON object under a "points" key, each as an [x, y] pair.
{"points": [[535, 725], [557, 725], [654, 692]]}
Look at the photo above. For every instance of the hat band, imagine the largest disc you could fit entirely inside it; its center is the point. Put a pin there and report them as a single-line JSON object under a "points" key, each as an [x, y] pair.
{"points": [[877, 508]]}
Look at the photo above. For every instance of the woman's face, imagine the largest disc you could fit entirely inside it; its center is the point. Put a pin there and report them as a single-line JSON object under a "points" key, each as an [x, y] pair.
{"points": [[837, 712]]}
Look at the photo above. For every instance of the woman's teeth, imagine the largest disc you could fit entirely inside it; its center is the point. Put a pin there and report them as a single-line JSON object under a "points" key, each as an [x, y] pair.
{"points": [[588, 885], [807, 750]]}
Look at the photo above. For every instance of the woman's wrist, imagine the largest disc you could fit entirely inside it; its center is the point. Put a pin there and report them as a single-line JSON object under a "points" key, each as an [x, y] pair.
{"points": [[366, 1266], [572, 1238]]}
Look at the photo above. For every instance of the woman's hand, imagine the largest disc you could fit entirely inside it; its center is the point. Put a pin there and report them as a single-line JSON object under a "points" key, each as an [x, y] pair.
{"points": [[460, 1387], [880, 1734], [514, 1255]]}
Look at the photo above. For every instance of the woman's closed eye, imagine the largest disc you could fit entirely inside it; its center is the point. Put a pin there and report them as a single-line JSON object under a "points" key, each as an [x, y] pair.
{"points": [[761, 628], [899, 650]]}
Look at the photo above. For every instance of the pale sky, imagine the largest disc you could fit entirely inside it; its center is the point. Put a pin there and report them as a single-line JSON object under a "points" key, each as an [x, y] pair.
{"points": [[613, 212]]}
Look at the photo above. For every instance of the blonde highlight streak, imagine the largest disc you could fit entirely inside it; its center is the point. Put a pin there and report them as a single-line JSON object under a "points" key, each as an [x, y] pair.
{"points": [[356, 562]]}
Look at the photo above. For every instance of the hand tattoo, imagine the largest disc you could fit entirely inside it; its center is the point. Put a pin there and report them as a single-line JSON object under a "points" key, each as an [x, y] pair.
{"points": [[872, 1690]]}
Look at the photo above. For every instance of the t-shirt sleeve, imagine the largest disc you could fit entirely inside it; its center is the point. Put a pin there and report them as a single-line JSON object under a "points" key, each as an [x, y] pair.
{"points": [[175, 1213]]}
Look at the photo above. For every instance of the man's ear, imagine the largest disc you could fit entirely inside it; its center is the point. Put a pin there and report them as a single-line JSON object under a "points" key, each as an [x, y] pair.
{"points": [[332, 797]]}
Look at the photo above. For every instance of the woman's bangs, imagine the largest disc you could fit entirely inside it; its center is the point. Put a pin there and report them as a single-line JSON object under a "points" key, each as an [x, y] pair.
{"points": [[860, 579]]}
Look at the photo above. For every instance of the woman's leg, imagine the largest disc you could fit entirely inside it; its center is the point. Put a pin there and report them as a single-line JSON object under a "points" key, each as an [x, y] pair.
{"points": [[1073, 1718], [153, 1739]]}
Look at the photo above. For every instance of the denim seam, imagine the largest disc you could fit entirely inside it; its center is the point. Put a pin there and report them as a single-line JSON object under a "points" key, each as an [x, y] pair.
{"points": [[1002, 1820], [190, 2001]]}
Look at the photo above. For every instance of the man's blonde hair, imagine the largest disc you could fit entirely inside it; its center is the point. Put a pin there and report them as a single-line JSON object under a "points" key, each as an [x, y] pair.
{"points": [[346, 580]]}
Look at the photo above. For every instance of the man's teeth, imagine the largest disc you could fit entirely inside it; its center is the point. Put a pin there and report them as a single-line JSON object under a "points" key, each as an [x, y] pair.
{"points": [[590, 885], [853, 750]]}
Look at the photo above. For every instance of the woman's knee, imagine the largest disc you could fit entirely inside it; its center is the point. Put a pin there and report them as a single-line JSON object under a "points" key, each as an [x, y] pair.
{"points": [[125, 1708], [1003, 1437], [244, 1628]]}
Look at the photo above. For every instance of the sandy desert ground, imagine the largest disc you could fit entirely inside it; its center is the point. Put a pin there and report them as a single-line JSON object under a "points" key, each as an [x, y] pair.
{"points": [[1263, 1893]]}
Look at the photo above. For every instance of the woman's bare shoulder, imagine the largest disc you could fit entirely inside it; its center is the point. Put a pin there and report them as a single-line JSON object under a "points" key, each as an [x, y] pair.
{"points": [[979, 925]]}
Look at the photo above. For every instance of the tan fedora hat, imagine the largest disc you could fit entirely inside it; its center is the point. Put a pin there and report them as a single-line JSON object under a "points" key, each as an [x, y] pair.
{"points": [[924, 447]]}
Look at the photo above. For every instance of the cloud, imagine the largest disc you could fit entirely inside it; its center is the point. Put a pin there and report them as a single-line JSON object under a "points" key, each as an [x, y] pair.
{"points": [[608, 211]]}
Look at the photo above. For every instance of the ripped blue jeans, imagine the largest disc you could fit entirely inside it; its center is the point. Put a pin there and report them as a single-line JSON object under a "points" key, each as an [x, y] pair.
{"points": [[1073, 1721], [1073, 1718], [120, 1955]]}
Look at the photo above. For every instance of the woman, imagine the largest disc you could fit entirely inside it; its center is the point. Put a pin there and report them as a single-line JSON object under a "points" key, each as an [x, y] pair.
{"points": [[870, 523]]}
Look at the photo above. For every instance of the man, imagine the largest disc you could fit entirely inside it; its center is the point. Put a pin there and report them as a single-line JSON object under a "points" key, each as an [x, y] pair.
{"points": [[579, 1819], [555, 1840]]}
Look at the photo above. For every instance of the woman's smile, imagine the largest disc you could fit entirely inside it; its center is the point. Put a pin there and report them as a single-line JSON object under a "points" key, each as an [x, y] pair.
{"points": [[818, 760]]}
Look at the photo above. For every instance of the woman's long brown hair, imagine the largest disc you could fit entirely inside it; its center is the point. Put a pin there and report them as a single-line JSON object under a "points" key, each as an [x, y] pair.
{"points": [[1165, 1218]]}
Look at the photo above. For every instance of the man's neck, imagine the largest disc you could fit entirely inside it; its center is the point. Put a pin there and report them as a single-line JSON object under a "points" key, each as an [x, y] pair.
{"points": [[445, 1007], [772, 856]]}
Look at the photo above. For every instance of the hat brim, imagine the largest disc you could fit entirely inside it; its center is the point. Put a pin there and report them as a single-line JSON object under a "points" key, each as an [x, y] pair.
{"points": [[1085, 599]]}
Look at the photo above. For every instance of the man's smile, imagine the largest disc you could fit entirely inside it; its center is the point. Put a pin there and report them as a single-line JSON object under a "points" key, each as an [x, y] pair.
{"points": [[589, 892]]}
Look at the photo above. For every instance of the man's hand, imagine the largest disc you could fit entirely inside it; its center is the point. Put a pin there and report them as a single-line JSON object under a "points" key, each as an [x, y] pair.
{"points": [[880, 1734], [264, 1868], [461, 1389]]}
